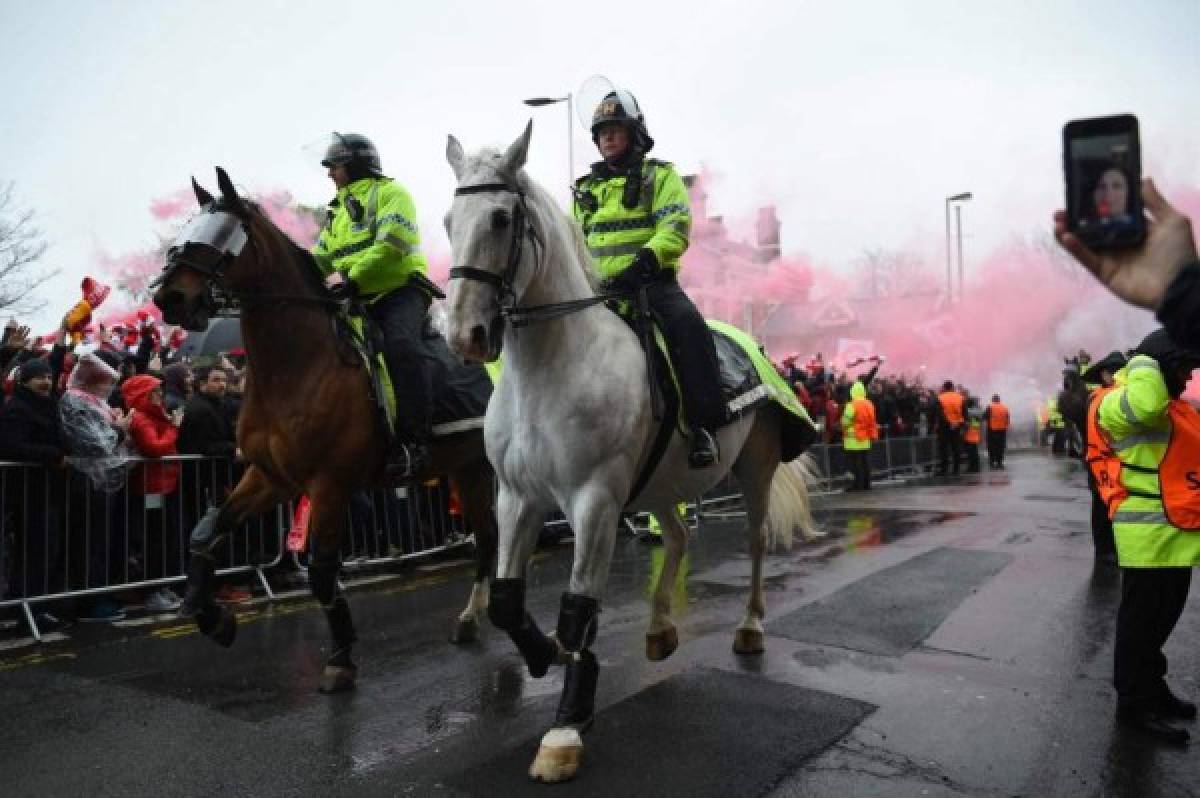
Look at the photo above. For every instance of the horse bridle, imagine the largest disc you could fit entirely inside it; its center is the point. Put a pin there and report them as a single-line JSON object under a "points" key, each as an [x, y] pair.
{"points": [[521, 227], [505, 282]]}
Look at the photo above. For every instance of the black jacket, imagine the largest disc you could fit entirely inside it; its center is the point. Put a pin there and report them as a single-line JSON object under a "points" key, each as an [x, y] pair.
{"points": [[29, 429], [1180, 310], [206, 429]]}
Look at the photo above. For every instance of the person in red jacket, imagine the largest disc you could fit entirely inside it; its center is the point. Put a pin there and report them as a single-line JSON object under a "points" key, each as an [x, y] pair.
{"points": [[155, 513]]}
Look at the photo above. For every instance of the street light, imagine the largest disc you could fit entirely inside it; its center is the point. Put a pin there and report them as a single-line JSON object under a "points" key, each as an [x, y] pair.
{"points": [[538, 102], [963, 197]]}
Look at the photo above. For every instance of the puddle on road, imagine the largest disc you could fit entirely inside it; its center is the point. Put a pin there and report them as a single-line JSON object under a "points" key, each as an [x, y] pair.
{"points": [[866, 529]]}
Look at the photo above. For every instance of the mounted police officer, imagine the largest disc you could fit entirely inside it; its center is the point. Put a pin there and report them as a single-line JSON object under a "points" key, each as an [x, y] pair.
{"points": [[635, 214], [368, 248]]}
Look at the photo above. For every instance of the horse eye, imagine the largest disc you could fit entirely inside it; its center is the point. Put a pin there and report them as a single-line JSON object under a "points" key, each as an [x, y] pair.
{"points": [[499, 219]]}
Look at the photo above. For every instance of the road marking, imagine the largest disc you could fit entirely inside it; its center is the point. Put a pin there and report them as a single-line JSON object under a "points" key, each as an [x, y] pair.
{"points": [[35, 658]]}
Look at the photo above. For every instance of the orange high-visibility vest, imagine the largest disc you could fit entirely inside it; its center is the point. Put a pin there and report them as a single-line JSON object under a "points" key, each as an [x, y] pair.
{"points": [[998, 418], [972, 433], [952, 406], [1101, 460], [865, 427], [1178, 473]]}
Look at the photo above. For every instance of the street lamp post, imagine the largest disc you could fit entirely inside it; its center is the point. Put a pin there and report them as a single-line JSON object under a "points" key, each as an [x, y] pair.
{"points": [[537, 102], [958, 232], [963, 197]]}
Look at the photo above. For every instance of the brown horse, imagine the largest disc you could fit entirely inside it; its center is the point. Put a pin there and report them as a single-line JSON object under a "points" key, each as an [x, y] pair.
{"points": [[307, 424]]}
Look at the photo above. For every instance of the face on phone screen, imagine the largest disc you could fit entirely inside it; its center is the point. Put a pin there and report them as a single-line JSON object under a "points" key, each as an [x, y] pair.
{"points": [[1105, 186]]}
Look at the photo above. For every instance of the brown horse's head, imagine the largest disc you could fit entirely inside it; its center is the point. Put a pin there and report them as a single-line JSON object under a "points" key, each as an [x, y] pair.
{"points": [[211, 250]]}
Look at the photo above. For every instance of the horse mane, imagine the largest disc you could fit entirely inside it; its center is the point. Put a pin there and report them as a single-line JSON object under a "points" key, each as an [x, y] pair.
{"points": [[309, 271]]}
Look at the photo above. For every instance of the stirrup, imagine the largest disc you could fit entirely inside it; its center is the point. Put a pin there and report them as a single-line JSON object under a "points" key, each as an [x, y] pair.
{"points": [[407, 460], [705, 452]]}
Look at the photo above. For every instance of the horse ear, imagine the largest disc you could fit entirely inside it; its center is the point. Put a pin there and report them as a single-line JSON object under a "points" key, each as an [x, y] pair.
{"points": [[228, 192], [454, 155], [202, 196], [514, 156]]}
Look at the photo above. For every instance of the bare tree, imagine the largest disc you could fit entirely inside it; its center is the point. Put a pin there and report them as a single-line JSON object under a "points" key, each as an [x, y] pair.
{"points": [[21, 247], [889, 273]]}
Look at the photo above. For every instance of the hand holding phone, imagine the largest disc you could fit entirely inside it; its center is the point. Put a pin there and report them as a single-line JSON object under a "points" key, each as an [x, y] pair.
{"points": [[1139, 275], [1102, 163]]}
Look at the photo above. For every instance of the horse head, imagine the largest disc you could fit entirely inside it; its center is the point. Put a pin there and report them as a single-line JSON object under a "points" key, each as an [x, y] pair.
{"points": [[209, 252], [488, 225]]}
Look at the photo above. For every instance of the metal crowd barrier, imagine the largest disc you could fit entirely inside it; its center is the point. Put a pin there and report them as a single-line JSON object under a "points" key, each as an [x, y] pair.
{"points": [[890, 458], [62, 537]]}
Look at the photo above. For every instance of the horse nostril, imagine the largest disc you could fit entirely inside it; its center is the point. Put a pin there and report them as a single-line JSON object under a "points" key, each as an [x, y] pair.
{"points": [[479, 337]]}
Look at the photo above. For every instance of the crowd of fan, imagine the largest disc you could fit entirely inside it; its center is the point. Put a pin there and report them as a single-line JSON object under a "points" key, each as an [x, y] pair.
{"points": [[902, 403], [96, 423]]}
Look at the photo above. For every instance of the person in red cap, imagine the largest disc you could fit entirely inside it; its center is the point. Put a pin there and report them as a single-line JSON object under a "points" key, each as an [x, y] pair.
{"points": [[154, 516]]}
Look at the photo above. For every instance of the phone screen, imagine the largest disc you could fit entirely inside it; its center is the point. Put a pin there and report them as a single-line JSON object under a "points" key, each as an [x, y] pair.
{"points": [[1104, 181]]}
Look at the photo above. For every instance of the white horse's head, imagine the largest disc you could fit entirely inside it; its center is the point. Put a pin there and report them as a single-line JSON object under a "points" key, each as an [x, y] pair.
{"points": [[493, 240]]}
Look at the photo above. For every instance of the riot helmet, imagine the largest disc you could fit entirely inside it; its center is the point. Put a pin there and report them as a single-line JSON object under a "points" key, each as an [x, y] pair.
{"points": [[356, 152], [621, 107]]}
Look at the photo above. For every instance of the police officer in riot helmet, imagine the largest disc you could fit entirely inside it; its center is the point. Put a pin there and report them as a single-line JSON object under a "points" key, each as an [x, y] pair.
{"points": [[369, 249], [636, 217]]}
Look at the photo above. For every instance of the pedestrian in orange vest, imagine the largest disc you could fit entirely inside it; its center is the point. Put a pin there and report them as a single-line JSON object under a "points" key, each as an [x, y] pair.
{"points": [[996, 422], [949, 429]]}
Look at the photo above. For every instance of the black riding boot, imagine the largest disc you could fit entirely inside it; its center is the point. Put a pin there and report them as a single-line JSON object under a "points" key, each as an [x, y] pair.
{"points": [[401, 317], [695, 357]]}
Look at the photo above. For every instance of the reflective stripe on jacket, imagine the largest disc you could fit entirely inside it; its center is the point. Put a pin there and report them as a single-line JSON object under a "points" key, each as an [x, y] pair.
{"points": [[859, 427], [1135, 420], [660, 222], [380, 251]]}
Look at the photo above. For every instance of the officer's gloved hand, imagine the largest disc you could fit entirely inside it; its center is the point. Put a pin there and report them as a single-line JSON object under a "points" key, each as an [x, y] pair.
{"points": [[644, 267], [344, 291]]}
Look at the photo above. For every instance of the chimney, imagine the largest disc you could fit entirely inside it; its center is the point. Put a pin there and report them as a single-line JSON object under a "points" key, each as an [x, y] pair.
{"points": [[766, 233]]}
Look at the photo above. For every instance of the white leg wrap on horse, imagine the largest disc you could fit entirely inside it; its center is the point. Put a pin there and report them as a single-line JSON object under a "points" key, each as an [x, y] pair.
{"points": [[558, 757]]}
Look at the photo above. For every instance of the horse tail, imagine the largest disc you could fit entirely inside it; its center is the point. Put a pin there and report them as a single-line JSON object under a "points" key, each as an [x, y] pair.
{"points": [[790, 504]]}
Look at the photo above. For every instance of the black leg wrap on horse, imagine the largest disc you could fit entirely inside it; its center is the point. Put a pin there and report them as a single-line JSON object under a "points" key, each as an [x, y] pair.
{"points": [[578, 702], [208, 532], [198, 595], [577, 621], [506, 610], [322, 578]]}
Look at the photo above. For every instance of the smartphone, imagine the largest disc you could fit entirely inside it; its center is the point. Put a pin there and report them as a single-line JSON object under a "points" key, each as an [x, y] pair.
{"points": [[1102, 162]]}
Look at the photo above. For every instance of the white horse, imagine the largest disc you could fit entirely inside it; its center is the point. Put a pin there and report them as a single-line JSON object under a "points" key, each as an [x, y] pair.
{"points": [[570, 427]]}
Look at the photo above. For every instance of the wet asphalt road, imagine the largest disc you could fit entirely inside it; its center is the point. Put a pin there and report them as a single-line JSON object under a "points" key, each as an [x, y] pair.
{"points": [[944, 639]]}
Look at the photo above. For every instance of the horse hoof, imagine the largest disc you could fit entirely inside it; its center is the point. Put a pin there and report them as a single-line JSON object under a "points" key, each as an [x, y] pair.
{"points": [[337, 679], [467, 631], [660, 645], [226, 630], [748, 642], [558, 756]]}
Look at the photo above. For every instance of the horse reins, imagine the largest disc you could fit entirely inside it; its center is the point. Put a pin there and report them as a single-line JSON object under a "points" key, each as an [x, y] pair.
{"points": [[504, 283]]}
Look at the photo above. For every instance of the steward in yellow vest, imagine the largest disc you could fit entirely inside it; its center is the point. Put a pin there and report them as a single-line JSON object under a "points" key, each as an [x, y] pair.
{"points": [[636, 218], [1144, 451], [859, 429]]}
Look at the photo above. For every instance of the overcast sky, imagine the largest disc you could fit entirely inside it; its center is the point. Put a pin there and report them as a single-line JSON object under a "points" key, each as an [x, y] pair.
{"points": [[856, 119]]}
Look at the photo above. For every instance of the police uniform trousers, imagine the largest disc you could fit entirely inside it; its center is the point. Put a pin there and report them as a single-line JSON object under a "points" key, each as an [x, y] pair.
{"points": [[400, 315], [1152, 600], [690, 343]]}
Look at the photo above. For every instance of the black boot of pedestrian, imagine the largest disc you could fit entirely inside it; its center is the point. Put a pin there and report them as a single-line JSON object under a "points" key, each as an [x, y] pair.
{"points": [[705, 452], [1152, 724]]}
